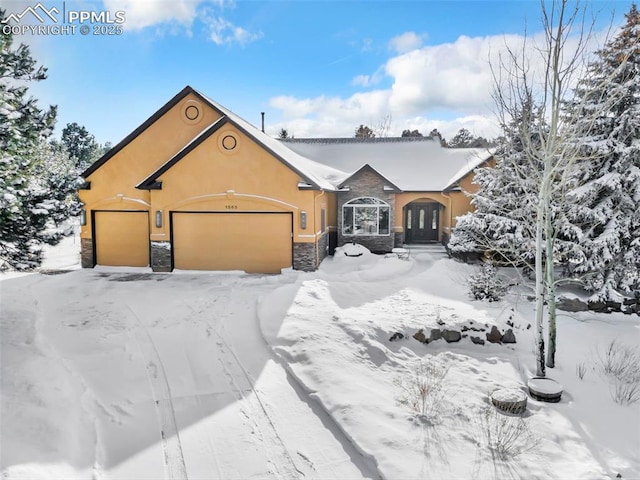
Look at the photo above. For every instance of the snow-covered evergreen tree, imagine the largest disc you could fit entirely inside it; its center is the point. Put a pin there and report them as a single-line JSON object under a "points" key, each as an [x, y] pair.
{"points": [[24, 200], [503, 223], [607, 200], [544, 153]]}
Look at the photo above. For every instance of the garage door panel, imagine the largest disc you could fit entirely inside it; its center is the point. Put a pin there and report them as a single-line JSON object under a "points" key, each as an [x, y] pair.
{"points": [[253, 242], [122, 238]]}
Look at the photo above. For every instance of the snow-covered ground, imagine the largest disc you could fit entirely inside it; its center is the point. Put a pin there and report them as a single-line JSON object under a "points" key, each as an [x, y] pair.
{"points": [[123, 373]]}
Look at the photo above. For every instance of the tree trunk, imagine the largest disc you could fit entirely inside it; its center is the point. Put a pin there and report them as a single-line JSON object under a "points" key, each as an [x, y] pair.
{"points": [[551, 294], [540, 290]]}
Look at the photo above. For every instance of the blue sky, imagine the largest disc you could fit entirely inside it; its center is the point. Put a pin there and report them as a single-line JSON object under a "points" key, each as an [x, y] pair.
{"points": [[317, 68]]}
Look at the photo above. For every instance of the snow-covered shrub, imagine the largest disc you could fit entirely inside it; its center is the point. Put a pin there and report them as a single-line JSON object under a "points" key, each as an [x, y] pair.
{"points": [[507, 435], [620, 363], [581, 370], [485, 284], [423, 389]]}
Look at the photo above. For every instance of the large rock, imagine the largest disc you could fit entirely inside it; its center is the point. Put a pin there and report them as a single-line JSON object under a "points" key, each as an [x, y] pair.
{"points": [[435, 334], [597, 306], [571, 304], [477, 340], [419, 335], [614, 306], [508, 337], [451, 336], [494, 336]]}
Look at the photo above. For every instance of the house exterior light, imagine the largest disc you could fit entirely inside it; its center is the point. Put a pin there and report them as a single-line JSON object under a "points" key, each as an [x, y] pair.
{"points": [[158, 219]]}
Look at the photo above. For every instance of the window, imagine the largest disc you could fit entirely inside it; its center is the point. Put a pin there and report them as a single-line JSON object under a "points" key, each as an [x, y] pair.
{"points": [[365, 216], [323, 220]]}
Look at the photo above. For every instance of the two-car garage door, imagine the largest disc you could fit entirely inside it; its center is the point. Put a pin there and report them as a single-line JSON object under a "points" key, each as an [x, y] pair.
{"points": [[253, 242]]}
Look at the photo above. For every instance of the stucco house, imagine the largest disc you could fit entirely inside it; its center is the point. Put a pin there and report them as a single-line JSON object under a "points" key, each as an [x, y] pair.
{"points": [[196, 187]]}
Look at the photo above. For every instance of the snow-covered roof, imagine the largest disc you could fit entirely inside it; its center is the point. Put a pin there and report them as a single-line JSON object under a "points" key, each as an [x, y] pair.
{"points": [[322, 175], [410, 163]]}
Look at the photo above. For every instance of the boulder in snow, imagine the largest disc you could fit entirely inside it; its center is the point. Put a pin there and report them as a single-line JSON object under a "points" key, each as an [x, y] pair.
{"points": [[435, 334], [420, 336], [508, 337], [451, 335], [571, 304], [477, 340], [494, 336]]}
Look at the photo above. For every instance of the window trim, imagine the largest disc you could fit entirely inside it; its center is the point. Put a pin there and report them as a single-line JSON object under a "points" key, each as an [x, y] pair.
{"points": [[379, 204]]}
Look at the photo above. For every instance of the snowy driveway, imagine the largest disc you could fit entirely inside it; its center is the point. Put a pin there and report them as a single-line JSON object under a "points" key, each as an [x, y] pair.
{"points": [[138, 375]]}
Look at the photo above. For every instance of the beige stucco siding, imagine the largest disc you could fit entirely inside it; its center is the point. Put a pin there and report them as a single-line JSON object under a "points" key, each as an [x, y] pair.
{"points": [[246, 179], [113, 185]]}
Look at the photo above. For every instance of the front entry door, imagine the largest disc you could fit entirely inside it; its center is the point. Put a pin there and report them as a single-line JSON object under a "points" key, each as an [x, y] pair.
{"points": [[421, 222]]}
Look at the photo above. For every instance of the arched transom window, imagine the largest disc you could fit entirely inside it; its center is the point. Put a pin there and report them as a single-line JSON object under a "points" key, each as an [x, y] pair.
{"points": [[365, 216]]}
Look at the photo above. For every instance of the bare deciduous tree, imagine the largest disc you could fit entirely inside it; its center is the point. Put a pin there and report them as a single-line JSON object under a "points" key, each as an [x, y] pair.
{"points": [[530, 105]]}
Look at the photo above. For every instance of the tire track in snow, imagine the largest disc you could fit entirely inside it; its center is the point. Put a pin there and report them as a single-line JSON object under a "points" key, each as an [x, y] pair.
{"points": [[256, 412], [243, 389], [175, 468], [88, 400]]}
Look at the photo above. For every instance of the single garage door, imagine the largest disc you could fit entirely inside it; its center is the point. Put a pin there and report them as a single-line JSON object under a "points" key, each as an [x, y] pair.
{"points": [[122, 238], [253, 242]]}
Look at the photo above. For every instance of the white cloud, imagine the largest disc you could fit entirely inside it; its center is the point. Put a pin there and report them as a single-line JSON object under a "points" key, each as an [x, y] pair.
{"points": [[145, 13], [454, 78], [362, 80], [224, 32], [183, 13], [406, 42], [332, 126], [368, 80]]}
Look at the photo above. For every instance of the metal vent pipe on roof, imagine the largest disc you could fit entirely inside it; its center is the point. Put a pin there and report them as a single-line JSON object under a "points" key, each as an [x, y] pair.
{"points": [[262, 113]]}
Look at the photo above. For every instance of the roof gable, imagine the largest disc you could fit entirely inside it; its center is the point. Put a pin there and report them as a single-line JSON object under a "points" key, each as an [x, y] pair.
{"points": [[144, 126], [367, 168], [150, 182], [315, 175]]}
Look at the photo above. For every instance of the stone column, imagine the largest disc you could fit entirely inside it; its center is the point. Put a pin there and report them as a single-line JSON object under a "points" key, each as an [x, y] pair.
{"points": [[86, 253], [161, 256], [304, 256]]}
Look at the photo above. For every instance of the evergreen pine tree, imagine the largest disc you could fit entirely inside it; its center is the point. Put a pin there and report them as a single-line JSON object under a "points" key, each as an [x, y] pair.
{"points": [[607, 200], [24, 210], [80, 145], [503, 222]]}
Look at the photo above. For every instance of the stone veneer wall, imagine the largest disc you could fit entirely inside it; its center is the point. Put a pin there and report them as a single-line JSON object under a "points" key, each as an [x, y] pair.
{"points": [[398, 239], [304, 256], [367, 184], [161, 256], [86, 253], [323, 247]]}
